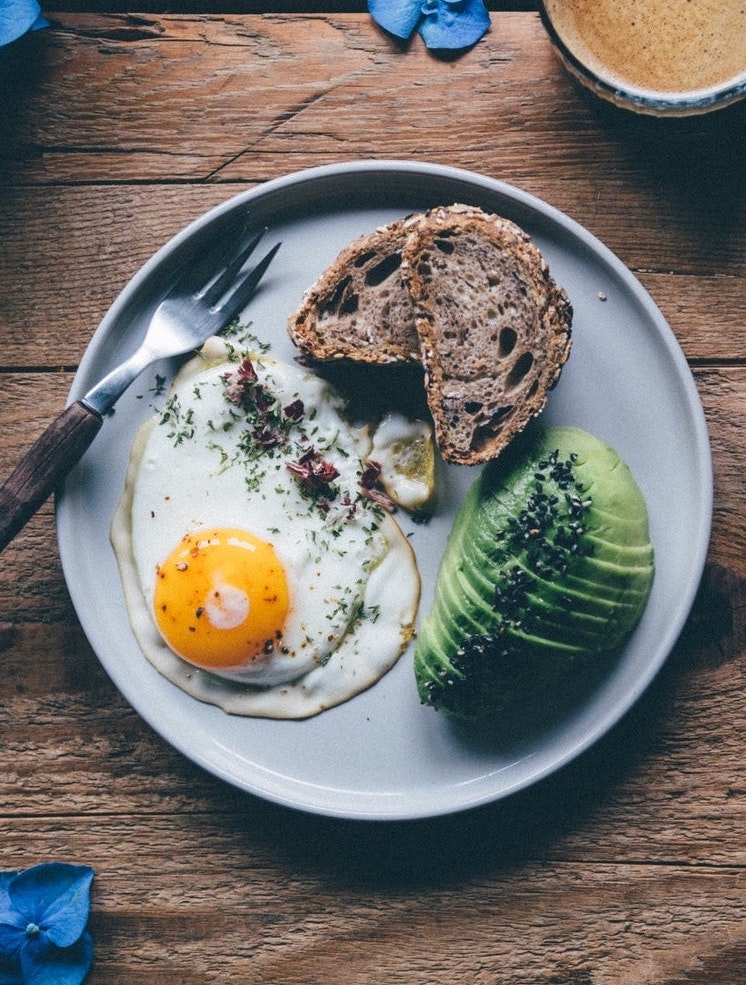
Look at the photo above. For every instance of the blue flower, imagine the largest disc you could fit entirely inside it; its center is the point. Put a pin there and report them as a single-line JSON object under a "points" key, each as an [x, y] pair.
{"points": [[17, 17], [43, 918], [445, 25]]}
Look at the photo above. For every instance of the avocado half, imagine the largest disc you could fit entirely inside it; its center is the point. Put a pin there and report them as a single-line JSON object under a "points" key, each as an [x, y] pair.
{"points": [[549, 563]]}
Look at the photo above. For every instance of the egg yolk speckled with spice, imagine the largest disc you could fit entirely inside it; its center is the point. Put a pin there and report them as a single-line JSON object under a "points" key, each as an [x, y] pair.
{"points": [[221, 599]]}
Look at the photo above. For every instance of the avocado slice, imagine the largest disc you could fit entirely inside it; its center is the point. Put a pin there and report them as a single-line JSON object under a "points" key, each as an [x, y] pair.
{"points": [[549, 563]]}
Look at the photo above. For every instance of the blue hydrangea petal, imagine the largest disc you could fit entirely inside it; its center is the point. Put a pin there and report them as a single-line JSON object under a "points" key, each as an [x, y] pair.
{"points": [[10, 972], [12, 933], [17, 17], [453, 24], [55, 896], [5, 880], [12, 939], [9, 920], [44, 964], [398, 17]]}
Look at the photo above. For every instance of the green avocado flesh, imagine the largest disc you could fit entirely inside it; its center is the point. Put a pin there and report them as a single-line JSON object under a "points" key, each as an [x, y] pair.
{"points": [[548, 563]]}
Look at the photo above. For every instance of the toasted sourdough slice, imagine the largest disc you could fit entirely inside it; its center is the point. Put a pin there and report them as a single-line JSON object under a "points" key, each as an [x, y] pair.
{"points": [[465, 293], [494, 327], [359, 308]]}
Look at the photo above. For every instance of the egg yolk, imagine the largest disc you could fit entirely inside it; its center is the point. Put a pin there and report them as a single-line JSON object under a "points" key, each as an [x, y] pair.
{"points": [[221, 599]]}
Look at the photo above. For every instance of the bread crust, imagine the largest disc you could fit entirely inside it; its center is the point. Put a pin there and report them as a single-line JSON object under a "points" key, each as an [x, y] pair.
{"points": [[465, 293]]}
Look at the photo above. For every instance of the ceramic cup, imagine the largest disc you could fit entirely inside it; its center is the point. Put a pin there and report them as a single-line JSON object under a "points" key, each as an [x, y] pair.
{"points": [[657, 57]]}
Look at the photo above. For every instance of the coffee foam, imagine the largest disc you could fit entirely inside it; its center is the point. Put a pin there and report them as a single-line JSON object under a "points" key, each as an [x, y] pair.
{"points": [[656, 47]]}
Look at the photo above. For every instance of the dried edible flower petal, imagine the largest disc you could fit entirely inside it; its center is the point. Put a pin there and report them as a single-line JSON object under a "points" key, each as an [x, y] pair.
{"points": [[314, 473], [370, 484]]}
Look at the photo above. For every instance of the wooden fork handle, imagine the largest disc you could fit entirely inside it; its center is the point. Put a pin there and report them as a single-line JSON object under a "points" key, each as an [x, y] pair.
{"points": [[44, 466]]}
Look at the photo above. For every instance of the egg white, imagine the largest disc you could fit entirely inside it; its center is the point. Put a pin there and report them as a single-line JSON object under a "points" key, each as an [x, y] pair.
{"points": [[352, 574], [404, 450]]}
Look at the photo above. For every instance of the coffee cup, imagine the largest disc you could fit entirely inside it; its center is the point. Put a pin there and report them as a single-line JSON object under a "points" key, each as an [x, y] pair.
{"points": [[657, 57]]}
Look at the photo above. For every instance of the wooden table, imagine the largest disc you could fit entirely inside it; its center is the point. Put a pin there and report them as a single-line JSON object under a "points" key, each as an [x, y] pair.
{"points": [[627, 867]]}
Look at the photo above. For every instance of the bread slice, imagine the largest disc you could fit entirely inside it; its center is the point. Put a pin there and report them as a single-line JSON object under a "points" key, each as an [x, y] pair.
{"points": [[494, 327], [464, 293], [360, 308]]}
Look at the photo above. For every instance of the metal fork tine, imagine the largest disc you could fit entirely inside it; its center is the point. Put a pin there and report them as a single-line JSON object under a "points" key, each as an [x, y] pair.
{"points": [[246, 287], [216, 290], [217, 254]]}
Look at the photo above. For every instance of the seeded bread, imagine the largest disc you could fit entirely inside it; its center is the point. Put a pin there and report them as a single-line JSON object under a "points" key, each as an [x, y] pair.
{"points": [[494, 327], [464, 293], [359, 308]]}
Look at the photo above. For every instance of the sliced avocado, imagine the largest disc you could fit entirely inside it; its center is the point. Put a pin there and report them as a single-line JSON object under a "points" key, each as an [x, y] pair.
{"points": [[548, 562], [464, 610], [571, 592], [541, 619]]}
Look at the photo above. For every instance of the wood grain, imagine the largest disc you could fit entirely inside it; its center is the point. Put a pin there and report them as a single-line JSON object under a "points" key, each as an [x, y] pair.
{"points": [[107, 232], [256, 95], [625, 868]]}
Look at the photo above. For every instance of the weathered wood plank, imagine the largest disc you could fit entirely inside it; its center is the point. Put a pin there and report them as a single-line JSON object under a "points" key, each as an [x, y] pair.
{"points": [[263, 898], [251, 6], [103, 80], [255, 93], [105, 233], [102, 236], [626, 868]]}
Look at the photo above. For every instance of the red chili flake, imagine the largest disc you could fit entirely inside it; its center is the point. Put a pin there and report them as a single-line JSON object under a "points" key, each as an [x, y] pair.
{"points": [[371, 474], [372, 489], [307, 456], [240, 384], [246, 372], [295, 410], [263, 401], [326, 471], [314, 473]]}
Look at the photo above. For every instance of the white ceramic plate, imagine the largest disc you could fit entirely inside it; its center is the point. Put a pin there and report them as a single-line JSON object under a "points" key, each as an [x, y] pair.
{"points": [[383, 755]]}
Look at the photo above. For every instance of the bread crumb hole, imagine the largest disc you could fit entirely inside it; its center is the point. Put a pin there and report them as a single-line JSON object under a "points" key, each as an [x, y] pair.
{"points": [[349, 305], [337, 296], [520, 368], [361, 260], [487, 431], [444, 245], [383, 270], [508, 339]]}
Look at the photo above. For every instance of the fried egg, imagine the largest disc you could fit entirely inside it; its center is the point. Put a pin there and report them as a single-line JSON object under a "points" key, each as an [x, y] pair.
{"points": [[258, 574]]}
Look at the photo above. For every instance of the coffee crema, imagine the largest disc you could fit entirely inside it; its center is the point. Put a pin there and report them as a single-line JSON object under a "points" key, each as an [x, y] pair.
{"points": [[656, 47]]}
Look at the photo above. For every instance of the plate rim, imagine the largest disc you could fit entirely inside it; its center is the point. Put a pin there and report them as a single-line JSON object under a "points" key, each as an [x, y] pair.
{"points": [[548, 214]]}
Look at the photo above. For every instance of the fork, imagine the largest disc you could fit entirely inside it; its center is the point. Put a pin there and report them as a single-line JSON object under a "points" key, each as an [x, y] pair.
{"points": [[206, 298]]}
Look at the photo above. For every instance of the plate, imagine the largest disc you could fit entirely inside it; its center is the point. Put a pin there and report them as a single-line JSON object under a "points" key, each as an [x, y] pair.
{"points": [[382, 755]]}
